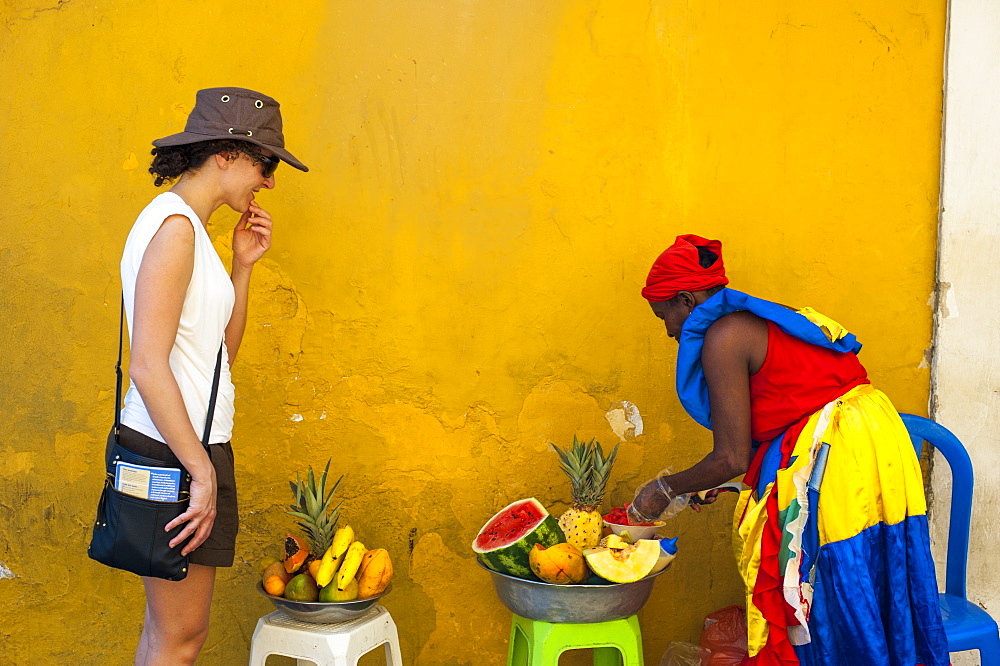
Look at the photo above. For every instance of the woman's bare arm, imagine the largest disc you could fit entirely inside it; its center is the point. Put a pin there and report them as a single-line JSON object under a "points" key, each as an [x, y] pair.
{"points": [[160, 288], [251, 239], [735, 347]]}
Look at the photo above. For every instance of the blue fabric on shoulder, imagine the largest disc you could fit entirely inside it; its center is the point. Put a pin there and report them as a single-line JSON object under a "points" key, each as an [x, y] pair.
{"points": [[691, 386]]}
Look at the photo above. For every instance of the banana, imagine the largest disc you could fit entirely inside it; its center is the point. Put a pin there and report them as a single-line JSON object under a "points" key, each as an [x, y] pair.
{"points": [[352, 560], [334, 555], [342, 539], [327, 568]]}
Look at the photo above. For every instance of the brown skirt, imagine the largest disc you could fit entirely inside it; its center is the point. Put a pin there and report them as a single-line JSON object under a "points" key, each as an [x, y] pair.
{"points": [[219, 549]]}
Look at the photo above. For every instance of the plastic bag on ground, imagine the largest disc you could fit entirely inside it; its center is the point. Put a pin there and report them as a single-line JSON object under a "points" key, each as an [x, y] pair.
{"points": [[725, 637], [683, 654]]}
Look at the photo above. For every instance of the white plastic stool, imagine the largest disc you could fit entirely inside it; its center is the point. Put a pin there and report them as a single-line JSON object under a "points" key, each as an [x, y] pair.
{"points": [[340, 644]]}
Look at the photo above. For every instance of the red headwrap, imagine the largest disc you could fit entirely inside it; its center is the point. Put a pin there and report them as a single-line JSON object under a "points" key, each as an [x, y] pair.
{"points": [[678, 269]]}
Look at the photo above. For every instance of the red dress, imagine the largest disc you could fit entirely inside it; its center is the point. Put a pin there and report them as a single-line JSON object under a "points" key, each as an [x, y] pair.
{"points": [[797, 379]]}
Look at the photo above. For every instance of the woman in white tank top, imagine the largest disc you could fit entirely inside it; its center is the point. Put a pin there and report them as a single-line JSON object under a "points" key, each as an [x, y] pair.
{"points": [[182, 305]]}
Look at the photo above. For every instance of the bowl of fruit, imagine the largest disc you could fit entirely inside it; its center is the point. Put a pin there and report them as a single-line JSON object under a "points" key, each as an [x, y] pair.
{"points": [[594, 600], [563, 570], [323, 612], [617, 520], [330, 576], [341, 585], [539, 574]]}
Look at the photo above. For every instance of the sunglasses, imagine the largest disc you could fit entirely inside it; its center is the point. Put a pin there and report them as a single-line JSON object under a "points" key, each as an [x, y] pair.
{"points": [[268, 165]]}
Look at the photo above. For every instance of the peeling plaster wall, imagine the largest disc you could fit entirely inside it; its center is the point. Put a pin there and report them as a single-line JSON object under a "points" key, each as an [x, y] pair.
{"points": [[455, 283], [966, 374]]}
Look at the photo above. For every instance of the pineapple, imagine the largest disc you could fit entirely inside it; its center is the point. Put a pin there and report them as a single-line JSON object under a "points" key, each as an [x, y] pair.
{"points": [[588, 471], [312, 508]]}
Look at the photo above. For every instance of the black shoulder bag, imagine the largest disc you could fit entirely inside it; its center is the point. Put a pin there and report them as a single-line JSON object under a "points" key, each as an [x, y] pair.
{"points": [[129, 531]]}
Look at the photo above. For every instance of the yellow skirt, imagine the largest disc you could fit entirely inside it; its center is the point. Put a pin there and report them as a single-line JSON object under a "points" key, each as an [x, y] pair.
{"points": [[846, 509]]}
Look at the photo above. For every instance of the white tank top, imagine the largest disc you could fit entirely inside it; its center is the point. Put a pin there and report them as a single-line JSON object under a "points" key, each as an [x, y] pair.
{"points": [[208, 305]]}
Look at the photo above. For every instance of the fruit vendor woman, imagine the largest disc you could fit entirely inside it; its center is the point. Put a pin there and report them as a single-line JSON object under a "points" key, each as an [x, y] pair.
{"points": [[833, 544]]}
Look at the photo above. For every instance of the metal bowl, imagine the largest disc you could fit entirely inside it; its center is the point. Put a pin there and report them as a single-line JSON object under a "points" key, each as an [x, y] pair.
{"points": [[318, 612], [577, 604]]}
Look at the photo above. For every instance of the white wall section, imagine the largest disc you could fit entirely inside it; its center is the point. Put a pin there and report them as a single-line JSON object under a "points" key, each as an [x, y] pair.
{"points": [[966, 368]]}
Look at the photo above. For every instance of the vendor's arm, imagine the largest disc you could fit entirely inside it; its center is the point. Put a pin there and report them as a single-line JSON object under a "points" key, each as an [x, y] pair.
{"points": [[735, 347]]}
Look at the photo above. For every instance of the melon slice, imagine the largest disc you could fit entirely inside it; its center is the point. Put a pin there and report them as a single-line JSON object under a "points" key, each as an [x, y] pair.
{"points": [[504, 544], [624, 565]]}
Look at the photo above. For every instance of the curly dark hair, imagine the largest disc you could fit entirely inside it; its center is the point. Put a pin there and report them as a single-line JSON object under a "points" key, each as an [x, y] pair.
{"points": [[170, 162]]}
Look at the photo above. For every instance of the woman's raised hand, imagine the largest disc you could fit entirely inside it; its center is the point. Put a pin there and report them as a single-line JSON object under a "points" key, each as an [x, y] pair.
{"points": [[252, 236]]}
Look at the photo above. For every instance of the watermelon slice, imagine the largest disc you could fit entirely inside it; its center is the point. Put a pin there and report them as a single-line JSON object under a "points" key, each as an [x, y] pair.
{"points": [[505, 542]]}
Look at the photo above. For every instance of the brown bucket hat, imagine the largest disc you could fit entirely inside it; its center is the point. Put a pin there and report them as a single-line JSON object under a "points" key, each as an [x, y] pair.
{"points": [[234, 113]]}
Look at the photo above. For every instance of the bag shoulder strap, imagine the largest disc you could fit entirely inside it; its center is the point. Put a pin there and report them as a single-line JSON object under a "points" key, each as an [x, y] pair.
{"points": [[118, 370], [211, 400], [118, 383]]}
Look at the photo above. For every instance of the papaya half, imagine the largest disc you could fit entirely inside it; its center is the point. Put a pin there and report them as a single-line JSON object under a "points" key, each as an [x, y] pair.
{"points": [[296, 552]]}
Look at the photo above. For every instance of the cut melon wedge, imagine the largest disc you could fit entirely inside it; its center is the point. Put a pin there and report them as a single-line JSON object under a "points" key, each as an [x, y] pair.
{"points": [[505, 542], [624, 565]]}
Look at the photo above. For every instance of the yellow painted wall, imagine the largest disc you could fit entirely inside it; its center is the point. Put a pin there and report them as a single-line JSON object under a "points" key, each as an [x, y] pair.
{"points": [[456, 281]]}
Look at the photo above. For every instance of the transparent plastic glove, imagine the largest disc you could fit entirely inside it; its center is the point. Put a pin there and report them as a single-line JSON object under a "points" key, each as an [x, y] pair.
{"points": [[655, 500]]}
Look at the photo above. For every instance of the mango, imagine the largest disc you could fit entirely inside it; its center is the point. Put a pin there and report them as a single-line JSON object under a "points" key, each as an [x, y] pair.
{"points": [[264, 562], [330, 593], [276, 568], [374, 573], [302, 588]]}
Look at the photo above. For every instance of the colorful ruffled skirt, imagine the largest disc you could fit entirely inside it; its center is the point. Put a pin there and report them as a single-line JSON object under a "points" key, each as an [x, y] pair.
{"points": [[831, 539]]}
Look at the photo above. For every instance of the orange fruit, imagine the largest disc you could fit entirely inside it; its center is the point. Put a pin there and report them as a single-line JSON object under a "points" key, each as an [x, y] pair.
{"points": [[314, 567], [274, 586]]}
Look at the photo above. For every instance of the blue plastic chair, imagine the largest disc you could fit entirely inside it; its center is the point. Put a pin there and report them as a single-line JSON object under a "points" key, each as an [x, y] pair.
{"points": [[967, 626]]}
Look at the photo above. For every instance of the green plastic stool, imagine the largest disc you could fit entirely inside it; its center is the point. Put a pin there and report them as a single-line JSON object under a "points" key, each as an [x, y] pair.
{"points": [[536, 643]]}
